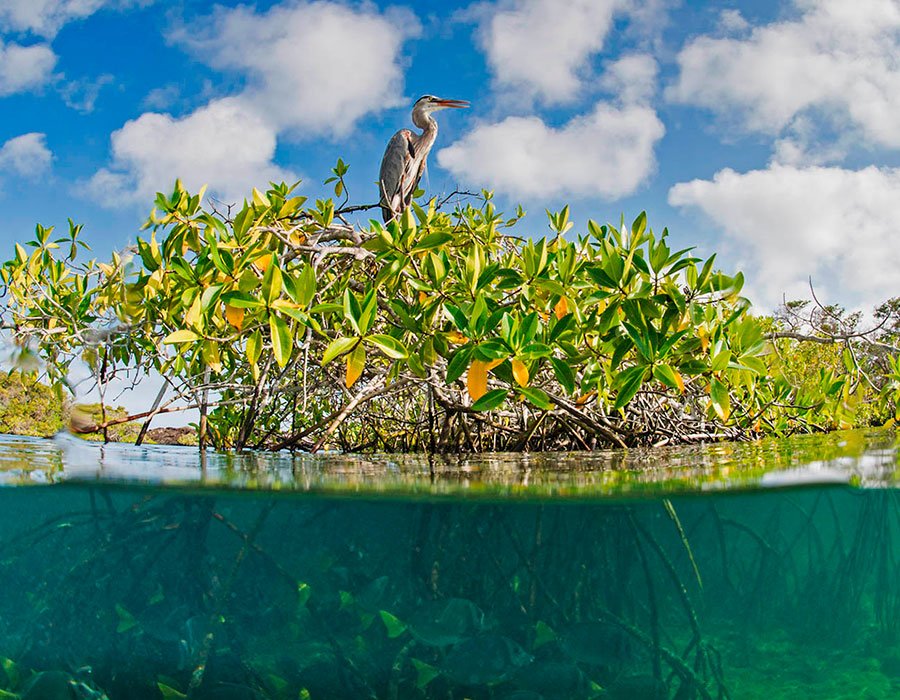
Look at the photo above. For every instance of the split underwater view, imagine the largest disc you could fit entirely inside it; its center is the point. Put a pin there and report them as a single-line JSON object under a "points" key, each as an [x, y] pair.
{"points": [[752, 570]]}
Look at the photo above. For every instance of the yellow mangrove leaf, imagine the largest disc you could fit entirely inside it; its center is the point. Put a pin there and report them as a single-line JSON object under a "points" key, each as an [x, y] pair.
{"points": [[356, 362], [234, 315], [476, 379], [520, 372], [259, 199], [263, 261], [561, 308], [182, 336], [703, 334], [192, 316], [211, 356], [584, 398]]}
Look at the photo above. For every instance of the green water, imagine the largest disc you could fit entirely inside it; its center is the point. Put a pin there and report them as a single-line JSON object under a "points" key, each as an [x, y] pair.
{"points": [[769, 570]]}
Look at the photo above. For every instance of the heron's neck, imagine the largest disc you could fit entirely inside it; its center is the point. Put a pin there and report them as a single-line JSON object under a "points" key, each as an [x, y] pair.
{"points": [[427, 124]]}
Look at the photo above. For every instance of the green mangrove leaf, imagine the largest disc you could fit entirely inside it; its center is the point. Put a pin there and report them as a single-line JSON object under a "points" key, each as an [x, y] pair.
{"points": [[720, 361], [425, 673], [272, 282], [127, 621], [535, 351], [491, 400], [543, 634], [11, 672], [628, 384], [241, 300], [432, 240], [338, 347], [169, 693], [282, 339], [352, 310], [720, 401], [182, 336], [492, 350], [459, 363], [254, 347], [389, 345], [392, 624], [669, 377], [564, 374], [306, 287], [537, 397]]}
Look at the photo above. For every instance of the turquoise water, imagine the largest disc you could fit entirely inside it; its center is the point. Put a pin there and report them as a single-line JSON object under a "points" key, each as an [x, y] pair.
{"points": [[767, 570]]}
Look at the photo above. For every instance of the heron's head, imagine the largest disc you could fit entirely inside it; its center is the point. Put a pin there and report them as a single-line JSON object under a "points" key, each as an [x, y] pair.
{"points": [[429, 103]]}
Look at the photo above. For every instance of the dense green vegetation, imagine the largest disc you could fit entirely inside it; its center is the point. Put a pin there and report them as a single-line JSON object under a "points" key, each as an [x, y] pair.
{"points": [[289, 327], [28, 407]]}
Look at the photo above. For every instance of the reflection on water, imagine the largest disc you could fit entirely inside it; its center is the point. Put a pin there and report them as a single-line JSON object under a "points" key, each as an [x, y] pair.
{"points": [[868, 458], [129, 590]]}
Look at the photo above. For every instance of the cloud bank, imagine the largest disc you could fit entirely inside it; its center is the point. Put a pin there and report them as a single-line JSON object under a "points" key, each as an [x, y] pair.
{"points": [[26, 156], [46, 17], [836, 62], [835, 225], [25, 68], [543, 47], [607, 152]]}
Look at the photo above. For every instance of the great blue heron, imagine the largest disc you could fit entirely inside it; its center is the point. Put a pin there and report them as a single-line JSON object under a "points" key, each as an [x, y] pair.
{"points": [[405, 155]]}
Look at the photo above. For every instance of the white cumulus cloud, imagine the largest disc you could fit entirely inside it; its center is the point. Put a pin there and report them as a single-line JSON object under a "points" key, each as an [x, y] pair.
{"points": [[26, 155], [631, 78], [732, 21], [543, 47], [225, 145], [606, 153], [835, 225], [836, 60], [47, 17], [311, 67], [24, 68]]}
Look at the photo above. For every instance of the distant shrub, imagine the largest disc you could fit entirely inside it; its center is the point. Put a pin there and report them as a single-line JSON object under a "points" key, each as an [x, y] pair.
{"points": [[28, 407]]}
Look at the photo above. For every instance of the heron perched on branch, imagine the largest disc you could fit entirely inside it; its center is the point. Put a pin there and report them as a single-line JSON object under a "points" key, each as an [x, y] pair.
{"points": [[405, 155]]}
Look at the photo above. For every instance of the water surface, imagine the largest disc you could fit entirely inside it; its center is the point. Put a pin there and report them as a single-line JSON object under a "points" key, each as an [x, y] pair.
{"points": [[764, 570]]}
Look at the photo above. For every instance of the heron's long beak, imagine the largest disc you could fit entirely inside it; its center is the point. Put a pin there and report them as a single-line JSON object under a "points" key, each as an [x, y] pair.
{"points": [[458, 104]]}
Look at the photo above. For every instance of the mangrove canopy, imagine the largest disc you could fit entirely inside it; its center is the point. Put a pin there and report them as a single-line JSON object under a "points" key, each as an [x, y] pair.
{"points": [[451, 329]]}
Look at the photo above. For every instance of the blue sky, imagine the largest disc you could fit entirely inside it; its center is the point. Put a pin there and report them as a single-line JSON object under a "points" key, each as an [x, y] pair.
{"points": [[765, 131]]}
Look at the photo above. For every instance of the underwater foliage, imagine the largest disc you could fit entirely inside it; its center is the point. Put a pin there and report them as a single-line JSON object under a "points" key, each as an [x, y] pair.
{"points": [[133, 593]]}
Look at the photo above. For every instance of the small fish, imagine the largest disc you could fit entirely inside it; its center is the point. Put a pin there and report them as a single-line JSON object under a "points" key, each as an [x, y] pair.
{"points": [[521, 695], [640, 686], [374, 596], [553, 679], [484, 660], [446, 622], [228, 691], [597, 643]]}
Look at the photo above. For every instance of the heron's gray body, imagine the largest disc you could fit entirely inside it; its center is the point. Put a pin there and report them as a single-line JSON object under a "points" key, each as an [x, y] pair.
{"points": [[406, 154]]}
